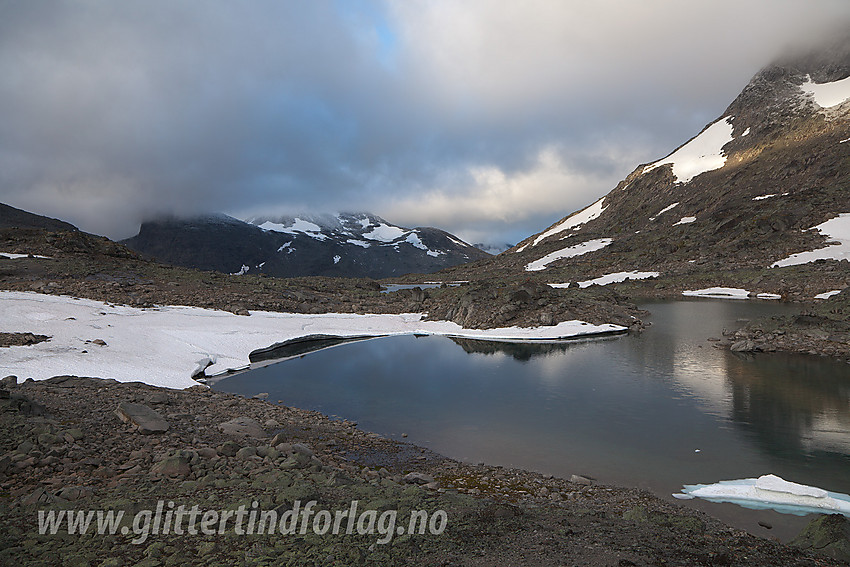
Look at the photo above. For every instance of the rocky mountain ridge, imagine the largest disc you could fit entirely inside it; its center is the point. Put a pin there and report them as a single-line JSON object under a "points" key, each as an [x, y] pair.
{"points": [[342, 245], [743, 194]]}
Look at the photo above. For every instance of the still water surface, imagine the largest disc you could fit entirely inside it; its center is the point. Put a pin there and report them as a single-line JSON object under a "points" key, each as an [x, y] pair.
{"points": [[655, 410]]}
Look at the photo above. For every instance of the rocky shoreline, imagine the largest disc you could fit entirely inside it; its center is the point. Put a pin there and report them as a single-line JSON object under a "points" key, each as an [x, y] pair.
{"points": [[820, 328], [85, 444]]}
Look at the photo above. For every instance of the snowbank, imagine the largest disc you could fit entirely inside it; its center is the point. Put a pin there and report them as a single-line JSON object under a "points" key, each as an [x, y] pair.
{"points": [[585, 215], [827, 294], [703, 153], [167, 345], [569, 252], [13, 256], [611, 278], [827, 95], [837, 229], [771, 492], [728, 293]]}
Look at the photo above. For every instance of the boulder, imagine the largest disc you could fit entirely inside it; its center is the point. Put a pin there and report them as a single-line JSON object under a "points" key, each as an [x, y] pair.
{"points": [[173, 466], [418, 478], [743, 346], [143, 418], [827, 534], [243, 426]]}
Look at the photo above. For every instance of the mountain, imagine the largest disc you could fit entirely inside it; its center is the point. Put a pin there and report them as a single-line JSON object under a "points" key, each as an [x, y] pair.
{"points": [[10, 217], [345, 245], [493, 248], [750, 190]]}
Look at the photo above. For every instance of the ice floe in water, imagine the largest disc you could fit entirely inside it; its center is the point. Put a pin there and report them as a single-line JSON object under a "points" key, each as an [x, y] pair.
{"points": [[771, 492]]}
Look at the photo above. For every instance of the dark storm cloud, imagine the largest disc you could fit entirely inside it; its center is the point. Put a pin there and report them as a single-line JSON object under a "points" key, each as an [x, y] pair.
{"points": [[488, 119]]}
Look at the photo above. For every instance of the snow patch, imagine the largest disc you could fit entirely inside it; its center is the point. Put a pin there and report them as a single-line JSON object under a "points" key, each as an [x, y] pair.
{"points": [[586, 215], [729, 293], [337, 259], [299, 226], [521, 248], [414, 239], [12, 256], [384, 233], [664, 210], [761, 197], [569, 252], [167, 345], [703, 153], [827, 294], [242, 271], [685, 220], [827, 95], [836, 229], [771, 492], [611, 278], [746, 132], [362, 243]]}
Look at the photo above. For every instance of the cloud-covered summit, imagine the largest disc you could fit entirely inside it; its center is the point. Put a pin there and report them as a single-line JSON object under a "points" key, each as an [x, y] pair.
{"points": [[481, 118]]}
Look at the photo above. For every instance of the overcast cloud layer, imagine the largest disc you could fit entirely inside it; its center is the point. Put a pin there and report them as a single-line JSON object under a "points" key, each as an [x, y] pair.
{"points": [[488, 119]]}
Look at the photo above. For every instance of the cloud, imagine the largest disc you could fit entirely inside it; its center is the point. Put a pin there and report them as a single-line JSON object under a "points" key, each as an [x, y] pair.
{"points": [[478, 117]]}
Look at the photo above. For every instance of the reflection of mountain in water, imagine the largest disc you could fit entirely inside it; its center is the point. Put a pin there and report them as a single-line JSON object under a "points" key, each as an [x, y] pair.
{"points": [[300, 346], [519, 351], [791, 403]]}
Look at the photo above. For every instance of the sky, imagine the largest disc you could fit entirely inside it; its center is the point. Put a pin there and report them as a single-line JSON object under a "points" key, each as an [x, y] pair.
{"points": [[489, 119]]}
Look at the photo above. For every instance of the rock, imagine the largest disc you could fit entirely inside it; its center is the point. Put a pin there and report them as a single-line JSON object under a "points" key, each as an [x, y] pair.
{"points": [[9, 382], [260, 396], [27, 406], [229, 448], [743, 346], [74, 434], [99, 342], [578, 479], [271, 424], [418, 478], [278, 439], [143, 418], [302, 449], [74, 493], [209, 452], [40, 496], [827, 534], [246, 453], [173, 466], [48, 440], [243, 426], [157, 398]]}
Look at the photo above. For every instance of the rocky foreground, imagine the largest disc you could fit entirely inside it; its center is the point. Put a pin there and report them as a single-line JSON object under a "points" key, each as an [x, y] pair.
{"points": [[88, 444]]}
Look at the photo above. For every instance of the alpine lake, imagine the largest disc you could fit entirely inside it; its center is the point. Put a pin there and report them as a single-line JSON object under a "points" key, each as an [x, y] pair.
{"points": [[655, 410]]}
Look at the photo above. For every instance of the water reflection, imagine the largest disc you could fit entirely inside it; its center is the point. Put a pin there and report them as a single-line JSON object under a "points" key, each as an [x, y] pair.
{"points": [[794, 405], [658, 409], [521, 351]]}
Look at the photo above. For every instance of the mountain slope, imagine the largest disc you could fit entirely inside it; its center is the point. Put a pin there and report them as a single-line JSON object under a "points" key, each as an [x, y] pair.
{"points": [[10, 217], [740, 196], [349, 245]]}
